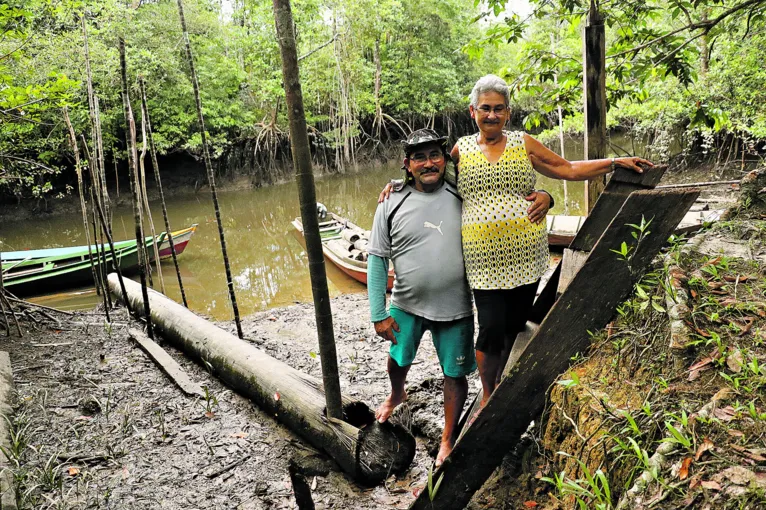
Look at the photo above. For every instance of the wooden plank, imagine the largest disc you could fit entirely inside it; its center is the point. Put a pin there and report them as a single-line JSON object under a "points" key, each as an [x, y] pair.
{"points": [[571, 263], [622, 184], [167, 364], [587, 305]]}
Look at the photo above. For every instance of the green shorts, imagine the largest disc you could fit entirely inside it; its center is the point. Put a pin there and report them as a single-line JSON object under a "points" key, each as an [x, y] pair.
{"points": [[453, 341]]}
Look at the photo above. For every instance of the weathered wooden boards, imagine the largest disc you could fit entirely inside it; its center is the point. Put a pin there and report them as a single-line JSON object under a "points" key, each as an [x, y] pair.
{"points": [[588, 304], [365, 449], [167, 364], [7, 490]]}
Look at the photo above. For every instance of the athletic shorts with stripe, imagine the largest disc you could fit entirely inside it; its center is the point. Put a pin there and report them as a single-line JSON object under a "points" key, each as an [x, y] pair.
{"points": [[453, 341]]}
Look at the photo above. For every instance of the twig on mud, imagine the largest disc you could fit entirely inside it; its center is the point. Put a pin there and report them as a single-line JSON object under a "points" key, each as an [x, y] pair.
{"points": [[577, 431], [227, 467], [82, 457], [35, 305], [61, 344]]}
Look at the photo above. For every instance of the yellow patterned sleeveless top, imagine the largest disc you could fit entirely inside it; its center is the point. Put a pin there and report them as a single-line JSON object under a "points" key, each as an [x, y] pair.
{"points": [[501, 247]]}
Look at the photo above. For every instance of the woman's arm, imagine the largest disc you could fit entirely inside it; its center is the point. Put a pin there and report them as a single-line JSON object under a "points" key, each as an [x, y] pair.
{"points": [[455, 155], [552, 165]]}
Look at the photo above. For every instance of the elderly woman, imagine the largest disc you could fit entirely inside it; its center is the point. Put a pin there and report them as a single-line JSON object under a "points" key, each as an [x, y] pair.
{"points": [[505, 253]]}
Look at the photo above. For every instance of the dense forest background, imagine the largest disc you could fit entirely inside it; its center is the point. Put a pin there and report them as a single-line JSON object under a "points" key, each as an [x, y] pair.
{"points": [[681, 74]]}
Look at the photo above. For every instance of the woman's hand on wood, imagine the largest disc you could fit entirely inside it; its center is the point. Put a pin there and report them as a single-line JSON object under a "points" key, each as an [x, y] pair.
{"points": [[633, 163], [385, 329], [541, 202]]}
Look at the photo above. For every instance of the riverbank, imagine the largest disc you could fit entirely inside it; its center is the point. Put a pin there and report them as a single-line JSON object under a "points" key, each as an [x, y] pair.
{"points": [[101, 425]]}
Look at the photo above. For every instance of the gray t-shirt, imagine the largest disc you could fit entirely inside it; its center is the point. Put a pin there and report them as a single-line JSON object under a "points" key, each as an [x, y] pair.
{"points": [[420, 233]]}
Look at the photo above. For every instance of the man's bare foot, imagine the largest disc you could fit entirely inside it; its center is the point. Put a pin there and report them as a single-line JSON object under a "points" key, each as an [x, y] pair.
{"points": [[445, 448], [384, 410]]}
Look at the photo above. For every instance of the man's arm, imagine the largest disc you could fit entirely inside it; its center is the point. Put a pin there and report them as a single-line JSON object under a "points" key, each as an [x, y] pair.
{"points": [[377, 279]]}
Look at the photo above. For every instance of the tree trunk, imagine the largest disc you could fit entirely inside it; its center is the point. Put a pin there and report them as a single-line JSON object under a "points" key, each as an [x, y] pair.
{"points": [[378, 122], [78, 170], [145, 199], [130, 133], [156, 167], [209, 168], [594, 95], [301, 152], [365, 449]]}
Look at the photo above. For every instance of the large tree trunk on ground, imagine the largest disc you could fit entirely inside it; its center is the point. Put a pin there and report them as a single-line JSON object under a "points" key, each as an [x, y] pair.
{"points": [[368, 454]]}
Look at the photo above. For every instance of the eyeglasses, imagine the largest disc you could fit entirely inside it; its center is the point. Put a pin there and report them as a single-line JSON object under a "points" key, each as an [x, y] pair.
{"points": [[498, 110], [420, 157]]}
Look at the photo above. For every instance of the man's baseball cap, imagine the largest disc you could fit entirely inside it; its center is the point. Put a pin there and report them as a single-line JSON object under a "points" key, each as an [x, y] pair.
{"points": [[420, 137]]}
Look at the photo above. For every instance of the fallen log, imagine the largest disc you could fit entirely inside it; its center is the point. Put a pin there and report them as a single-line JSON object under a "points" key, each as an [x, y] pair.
{"points": [[365, 449]]}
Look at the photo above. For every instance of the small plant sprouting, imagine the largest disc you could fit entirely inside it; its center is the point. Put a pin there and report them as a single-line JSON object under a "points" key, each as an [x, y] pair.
{"points": [[640, 232], [573, 381], [211, 402], [108, 328], [433, 489]]}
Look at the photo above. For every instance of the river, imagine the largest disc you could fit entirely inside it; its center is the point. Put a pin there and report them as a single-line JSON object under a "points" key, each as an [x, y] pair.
{"points": [[267, 256]]}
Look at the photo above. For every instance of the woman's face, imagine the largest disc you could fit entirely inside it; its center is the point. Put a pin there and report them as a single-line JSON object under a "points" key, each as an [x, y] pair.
{"points": [[491, 114]]}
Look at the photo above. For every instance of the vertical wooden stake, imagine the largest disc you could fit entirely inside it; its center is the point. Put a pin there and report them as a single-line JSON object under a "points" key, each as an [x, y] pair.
{"points": [[130, 135], [594, 96], [78, 170], [156, 166], [301, 152], [209, 168]]}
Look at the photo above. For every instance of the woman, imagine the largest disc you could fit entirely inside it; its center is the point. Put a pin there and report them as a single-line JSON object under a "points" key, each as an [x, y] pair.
{"points": [[505, 253]]}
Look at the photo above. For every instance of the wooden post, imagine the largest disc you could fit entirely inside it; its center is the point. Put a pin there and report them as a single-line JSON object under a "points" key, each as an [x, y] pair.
{"points": [[587, 305], [130, 135], [365, 449], [301, 152], [209, 168], [156, 167], [594, 97]]}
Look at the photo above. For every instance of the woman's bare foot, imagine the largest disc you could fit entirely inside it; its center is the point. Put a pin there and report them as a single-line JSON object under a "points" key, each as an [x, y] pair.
{"points": [[384, 410], [445, 448]]}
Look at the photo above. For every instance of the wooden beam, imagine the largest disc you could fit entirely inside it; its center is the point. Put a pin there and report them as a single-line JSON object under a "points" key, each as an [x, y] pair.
{"points": [[168, 365], [587, 305], [594, 97], [365, 449]]}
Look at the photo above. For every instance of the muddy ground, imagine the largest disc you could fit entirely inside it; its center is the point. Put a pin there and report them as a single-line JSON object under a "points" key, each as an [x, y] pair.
{"points": [[103, 427]]}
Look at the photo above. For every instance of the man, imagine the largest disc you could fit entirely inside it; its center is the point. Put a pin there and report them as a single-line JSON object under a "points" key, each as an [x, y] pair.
{"points": [[419, 230]]}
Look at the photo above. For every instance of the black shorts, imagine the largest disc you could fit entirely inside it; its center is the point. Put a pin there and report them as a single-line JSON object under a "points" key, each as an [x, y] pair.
{"points": [[503, 313]]}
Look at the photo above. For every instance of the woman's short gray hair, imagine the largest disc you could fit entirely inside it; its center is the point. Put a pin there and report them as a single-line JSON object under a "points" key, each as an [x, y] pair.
{"points": [[489, 83]]}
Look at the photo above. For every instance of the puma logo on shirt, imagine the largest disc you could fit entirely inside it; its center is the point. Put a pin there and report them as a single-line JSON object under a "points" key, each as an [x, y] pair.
{"points": [[428, 224]]}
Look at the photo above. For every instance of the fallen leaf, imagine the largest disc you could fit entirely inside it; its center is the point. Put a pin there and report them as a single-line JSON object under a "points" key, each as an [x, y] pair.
{"points": [[693, 293], [272, 319], [530, 504], [747, 326], [719, 292], [700, 332], [726, 414], [735, 361], [683, 473], [240, 435], [694, 482], [709, 484], [751, 454], [733, 279], [705, 446], [728, 301], [735, 433], [715, 285], [701, 363], [210, 414], [711, 262], [277, 396], [722, 393], [73, 471]]}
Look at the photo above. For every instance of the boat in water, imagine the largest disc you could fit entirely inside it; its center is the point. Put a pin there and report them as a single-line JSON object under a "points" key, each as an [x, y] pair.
{"points": [[38, 271], [345, 245]]}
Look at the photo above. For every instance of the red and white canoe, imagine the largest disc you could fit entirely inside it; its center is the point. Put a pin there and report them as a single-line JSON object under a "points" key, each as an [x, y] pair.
{"points": [[180, 239], [344, 244]]}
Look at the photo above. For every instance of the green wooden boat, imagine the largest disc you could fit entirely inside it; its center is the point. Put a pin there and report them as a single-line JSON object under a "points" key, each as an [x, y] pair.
{"points": [[39, 275]]}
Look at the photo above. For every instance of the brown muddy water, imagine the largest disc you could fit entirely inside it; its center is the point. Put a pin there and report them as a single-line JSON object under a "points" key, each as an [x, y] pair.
{"points": [[267, 256]]}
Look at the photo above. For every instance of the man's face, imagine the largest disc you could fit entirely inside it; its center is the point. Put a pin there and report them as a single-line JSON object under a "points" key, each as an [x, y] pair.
{"points": [[491, 114], [426, 163]]}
